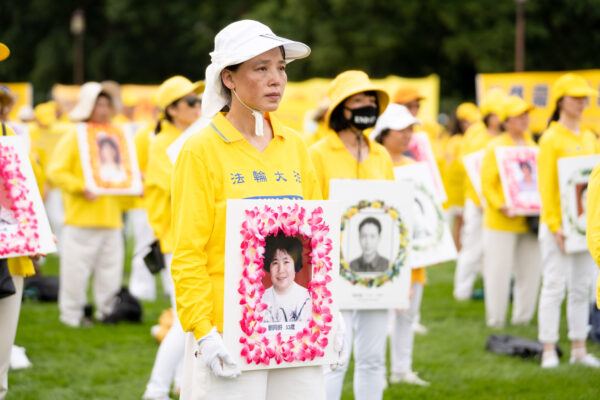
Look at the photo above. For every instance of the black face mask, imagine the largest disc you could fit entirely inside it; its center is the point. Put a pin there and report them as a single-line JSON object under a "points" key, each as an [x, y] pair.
{"points": [[364, 117]]}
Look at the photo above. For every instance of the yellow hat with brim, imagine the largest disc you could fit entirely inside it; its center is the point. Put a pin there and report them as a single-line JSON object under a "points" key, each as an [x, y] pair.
{"points": [[4, 52], [406, 95], [571, 85], [515, 106], [175, 88], [348, 84], [493, 103], [468, 112]]}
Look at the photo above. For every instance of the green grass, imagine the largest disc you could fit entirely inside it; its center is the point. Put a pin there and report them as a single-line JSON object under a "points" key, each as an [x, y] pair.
{"points": [[114, 362]]}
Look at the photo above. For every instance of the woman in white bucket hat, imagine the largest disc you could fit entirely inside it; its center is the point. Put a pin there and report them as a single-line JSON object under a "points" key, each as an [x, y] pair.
{"points": [[244, 152]]}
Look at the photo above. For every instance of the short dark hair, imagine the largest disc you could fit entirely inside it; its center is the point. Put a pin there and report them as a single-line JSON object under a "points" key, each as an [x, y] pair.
{"points": [[105, 95], [111, 143], [370, 220], [525, 164], [290, 244], [337, 120], [382, 135]]}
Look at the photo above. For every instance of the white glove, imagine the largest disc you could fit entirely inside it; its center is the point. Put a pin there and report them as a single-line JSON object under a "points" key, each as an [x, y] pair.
{"points": [[216, 356], [339, 340]]}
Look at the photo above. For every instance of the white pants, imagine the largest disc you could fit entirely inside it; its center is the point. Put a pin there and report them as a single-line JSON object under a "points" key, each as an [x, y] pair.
{"points": [[168, 364], [560, 270], [470, 257], [55, 211], [369, 330], [403, 336], [199, 383], [9, 318], [142, 284], [86, 251], [508, 254]]}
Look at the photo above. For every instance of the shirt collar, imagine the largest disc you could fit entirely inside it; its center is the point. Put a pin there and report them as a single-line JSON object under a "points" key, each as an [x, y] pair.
{"points": [[229, 134]]}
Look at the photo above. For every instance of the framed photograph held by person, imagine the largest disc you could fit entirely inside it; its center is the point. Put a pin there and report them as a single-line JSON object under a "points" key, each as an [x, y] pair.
{"points": [[518, 174], [24, 226], [375, 258], [421, 150], [472, 163], [108, 160], [431, 241], [281, 268], [573, 176]]}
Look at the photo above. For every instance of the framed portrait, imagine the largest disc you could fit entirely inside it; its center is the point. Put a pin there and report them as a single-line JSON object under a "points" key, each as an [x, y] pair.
{"points": [[374, 241], [518, 174], [431, 241], [24, 226], [108, 160], [281, 265], [472, 163], [573, 176], [421, 150]]}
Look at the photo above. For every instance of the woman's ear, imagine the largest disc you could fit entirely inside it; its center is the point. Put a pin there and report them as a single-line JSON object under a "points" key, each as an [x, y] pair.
{"points": [[227, 78]]}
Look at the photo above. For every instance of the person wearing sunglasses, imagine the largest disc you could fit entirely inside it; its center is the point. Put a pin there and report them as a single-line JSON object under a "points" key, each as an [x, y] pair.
{"points": [[178, 98]]}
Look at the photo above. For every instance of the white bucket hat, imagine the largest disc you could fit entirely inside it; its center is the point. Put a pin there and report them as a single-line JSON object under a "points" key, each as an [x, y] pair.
{"points": [[234, 44], [88, 93], [396, 117]]}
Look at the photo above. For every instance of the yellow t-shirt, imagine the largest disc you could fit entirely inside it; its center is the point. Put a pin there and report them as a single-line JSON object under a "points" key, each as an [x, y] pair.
{"points": [[491, 187], [333, 161], [65, 173], [214, 165], [142, 140], [19, 265], [558, 142], [158, 186], [593, 221], [416, 274]]}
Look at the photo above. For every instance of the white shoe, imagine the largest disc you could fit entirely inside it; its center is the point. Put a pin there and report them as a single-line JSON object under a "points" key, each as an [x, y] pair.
{"points": [[410, 377], [18, 358], [550, 361], [589, 361], [419, 329]]}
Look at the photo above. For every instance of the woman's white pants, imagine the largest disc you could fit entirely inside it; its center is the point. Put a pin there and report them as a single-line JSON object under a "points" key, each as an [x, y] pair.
{"points": [[470, 257], [507, 255], [403, 337], [369, 330], [560, 271], [9, 318]]}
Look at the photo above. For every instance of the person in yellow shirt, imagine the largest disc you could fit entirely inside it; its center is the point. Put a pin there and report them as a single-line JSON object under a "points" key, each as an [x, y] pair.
{"points": [[394, 131], [347, 152], [242, 153], [509, 248], [593, 222], [453, 173], [178, 98], [91, 241], [19, 268], [470, 256], [565, 137]]}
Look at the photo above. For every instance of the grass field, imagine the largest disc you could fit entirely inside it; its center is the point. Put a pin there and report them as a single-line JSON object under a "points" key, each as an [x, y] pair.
{"points": [[114, 362]]}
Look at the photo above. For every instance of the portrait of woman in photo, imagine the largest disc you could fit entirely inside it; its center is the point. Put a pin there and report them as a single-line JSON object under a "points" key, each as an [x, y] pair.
{"points": [[286, 300], [111, 169]]}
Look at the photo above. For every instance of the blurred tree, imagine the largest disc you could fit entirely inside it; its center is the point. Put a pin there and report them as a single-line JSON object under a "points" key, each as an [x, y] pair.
{"points": [[146, 41]]}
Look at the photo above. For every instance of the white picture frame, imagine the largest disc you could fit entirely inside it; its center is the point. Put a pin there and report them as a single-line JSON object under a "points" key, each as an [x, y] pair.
{"points": [[432, 241], [517, 166], [98, 143], [573, 177], [373, 285], [472, 163], [24, 226], [255, 339], [422, 151]]}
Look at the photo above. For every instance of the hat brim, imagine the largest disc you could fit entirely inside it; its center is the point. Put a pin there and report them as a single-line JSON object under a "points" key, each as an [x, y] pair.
{"points": [[383, 99], [4, 52], [198, 87], [581, 92], [83, 109], [519, 111]]}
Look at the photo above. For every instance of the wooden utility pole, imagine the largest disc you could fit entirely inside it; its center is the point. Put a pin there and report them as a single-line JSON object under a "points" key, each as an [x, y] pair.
{"points": [[78, 29], [520, 36]]}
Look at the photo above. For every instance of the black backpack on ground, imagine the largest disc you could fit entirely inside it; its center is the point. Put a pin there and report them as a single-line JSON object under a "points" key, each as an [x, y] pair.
{"points": [[42, 287], [516, 346], [127, 308]]}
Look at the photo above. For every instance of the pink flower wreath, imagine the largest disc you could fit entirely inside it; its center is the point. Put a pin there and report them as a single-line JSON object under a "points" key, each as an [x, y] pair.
{"points": [[293, 220], [25, 240]]}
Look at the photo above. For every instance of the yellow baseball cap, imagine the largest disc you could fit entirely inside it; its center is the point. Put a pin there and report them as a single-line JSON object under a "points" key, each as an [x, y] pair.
{"points": [[571, 85], [175, 88], [406, 95], [348, 84], [493, 103], [4, 52], [468, 111], [515, 106]]}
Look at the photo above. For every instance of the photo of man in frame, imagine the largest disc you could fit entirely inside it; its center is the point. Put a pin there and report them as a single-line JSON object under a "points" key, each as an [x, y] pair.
{"points": [[369, 238]]}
